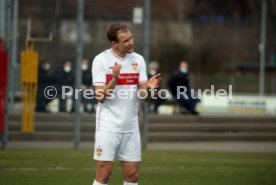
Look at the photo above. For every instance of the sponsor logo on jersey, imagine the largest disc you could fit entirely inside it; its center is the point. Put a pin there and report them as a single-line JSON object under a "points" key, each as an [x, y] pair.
{"points": [[125, 79]]}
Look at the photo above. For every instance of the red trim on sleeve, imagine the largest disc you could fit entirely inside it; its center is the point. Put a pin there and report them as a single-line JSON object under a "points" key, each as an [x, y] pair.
{"points": [[145, 81], [99, 84]]}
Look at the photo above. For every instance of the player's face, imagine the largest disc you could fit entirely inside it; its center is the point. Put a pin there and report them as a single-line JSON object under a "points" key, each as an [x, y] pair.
{"points": [[125, 42]]}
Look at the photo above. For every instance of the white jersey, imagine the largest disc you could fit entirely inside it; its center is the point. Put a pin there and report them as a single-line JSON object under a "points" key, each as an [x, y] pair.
{"points": [[117, 114]]}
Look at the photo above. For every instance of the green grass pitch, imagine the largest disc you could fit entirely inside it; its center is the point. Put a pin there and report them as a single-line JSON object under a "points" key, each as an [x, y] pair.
{"points": [[76, 167]]}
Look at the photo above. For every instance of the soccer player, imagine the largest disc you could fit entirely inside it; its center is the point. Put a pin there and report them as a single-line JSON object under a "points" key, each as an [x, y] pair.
{"points": [[117, 131]]}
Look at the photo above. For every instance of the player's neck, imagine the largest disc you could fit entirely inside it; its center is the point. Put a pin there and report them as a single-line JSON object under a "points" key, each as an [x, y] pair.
{"points": [[118, 53]]}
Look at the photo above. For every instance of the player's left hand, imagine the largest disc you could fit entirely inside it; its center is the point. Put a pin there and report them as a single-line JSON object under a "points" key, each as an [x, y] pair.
{"points": [[154, 82]]}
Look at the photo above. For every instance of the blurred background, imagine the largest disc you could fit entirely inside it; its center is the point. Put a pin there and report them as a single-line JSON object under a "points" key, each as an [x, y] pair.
{"points": [[220, 39], [213, 45], [228, 44]]}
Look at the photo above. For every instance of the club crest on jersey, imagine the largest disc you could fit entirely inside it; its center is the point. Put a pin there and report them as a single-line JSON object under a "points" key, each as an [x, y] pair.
{"points": [[134, 66], [99, 151]]}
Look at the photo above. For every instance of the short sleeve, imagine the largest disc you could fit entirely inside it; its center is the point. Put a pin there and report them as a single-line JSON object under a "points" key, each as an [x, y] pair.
{"points": [[98, 72], [143, 72]]}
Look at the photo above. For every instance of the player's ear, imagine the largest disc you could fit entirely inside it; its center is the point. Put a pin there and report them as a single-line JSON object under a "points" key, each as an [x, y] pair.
{"points": [[114, 44]]}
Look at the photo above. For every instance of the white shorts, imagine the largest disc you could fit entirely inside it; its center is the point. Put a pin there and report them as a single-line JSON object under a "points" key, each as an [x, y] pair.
{"points": [[120, 146]]}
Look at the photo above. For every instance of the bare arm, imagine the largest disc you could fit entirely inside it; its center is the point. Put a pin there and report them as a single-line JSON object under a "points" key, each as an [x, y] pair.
{"points": [[153, 83], [103, 91]]}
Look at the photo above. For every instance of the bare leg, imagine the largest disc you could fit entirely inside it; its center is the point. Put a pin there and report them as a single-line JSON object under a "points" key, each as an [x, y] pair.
{"points": [[103, 171], [131, 171]]}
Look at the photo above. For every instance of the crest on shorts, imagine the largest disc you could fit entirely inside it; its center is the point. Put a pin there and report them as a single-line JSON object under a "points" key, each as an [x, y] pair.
{"points": [[134, 66], [99, 151]]}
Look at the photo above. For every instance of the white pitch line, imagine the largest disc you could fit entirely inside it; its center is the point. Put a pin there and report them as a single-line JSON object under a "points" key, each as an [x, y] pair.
{"points": [[60, 168]]}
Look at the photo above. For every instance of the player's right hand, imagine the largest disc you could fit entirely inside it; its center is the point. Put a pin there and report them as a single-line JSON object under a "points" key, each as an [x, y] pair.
{"points": [[116, 71]]}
